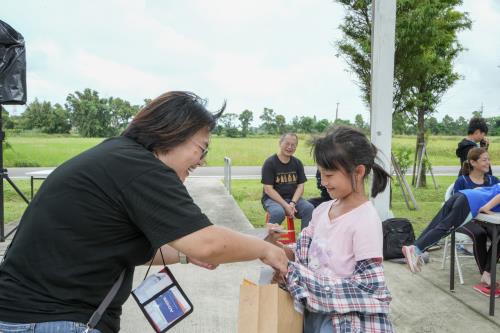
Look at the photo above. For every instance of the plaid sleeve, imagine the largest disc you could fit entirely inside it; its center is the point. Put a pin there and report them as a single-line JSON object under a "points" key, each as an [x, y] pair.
{"points": [[364, 292], [302, 246]]}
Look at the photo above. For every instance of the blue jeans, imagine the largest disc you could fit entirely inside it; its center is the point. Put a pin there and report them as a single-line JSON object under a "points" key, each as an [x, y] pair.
{"points": [[46, 327], [277, 213], [317, 322]]}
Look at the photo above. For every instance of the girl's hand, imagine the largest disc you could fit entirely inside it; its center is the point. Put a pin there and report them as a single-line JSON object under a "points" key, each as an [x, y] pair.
{"points": [[202, 264], [274, 233], [278, 278]]}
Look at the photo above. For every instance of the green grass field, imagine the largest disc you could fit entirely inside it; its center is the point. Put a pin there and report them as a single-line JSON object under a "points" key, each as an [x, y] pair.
{"points": [[45, 150], [251, 151], [247, 194], [14, 205]]}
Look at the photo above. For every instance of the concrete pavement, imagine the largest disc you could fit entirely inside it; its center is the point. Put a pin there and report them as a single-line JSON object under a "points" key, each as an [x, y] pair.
{"points": [[421, 303]]}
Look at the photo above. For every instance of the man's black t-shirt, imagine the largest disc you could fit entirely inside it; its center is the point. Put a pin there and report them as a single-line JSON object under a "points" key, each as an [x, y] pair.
{"points": [[283, 176], [105, 210]]}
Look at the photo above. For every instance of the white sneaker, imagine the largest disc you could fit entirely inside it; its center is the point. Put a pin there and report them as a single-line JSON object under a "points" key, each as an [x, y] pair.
{"points": [[413, 260]]}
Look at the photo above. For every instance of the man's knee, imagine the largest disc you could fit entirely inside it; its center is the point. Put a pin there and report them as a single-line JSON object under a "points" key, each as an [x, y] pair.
{"points": [[276, 214]]}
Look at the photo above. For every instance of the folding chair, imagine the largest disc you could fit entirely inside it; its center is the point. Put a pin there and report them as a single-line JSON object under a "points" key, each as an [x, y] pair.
{"points": [[462, 240]]}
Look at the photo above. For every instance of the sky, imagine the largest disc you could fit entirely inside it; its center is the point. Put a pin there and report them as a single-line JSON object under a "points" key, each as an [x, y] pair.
{"points": [[257, 54]]}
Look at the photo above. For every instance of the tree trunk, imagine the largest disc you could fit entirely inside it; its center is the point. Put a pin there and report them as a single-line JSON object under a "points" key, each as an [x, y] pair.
{"points": [[420, 145]]}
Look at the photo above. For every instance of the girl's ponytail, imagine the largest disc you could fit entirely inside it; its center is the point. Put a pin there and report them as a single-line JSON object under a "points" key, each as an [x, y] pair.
{"points": [[380, 178]]}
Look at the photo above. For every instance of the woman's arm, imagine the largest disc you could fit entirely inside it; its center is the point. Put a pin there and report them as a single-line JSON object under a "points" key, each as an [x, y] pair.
{"points": [[490, 205], [172, 256], [217, 245]]}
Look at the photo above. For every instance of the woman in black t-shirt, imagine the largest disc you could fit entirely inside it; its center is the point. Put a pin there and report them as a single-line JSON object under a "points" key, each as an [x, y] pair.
{"points": [[107, 210]]}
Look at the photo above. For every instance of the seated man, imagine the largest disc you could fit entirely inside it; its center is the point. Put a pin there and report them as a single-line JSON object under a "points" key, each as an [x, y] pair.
{"points": [[283, 177]]}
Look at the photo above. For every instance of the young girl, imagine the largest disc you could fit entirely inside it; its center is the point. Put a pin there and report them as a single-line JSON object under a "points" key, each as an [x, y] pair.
{"points": [[337, 271], [475, 174]]}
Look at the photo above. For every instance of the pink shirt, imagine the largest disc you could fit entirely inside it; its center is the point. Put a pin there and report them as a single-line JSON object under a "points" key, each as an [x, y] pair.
{"points": [[337, 244]]}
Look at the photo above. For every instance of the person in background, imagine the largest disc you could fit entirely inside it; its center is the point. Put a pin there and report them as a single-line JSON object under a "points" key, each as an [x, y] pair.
{"points": [[283, 177], [476, 137], [108, 210], [458, 210], [324, 196], [475, 174]]}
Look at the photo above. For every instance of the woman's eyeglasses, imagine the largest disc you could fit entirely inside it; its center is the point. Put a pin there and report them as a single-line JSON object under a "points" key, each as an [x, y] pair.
{"points": [[204, 151]]}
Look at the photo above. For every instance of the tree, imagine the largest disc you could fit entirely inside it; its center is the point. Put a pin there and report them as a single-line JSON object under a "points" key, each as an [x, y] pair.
{"points": [[35, 115], [449, 125], [306, 124], [280, 124], [462, 125], [57, 120], [268, 118], [45, 117], [433, 125], [426, 46], [321, 125], [359, 122], [122, 113], [90, 114], [8, 122], [228, 123], [245, 118]]}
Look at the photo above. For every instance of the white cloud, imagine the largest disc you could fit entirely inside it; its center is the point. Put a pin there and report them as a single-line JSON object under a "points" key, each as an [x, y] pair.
{"points": [[230, 11], [117, 79]]}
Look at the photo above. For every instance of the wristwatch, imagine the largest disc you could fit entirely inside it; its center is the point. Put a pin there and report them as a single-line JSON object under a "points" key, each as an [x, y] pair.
{"points": [[183, 259]]}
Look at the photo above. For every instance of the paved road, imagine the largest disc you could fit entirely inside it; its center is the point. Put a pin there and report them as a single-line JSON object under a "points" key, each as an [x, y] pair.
{"points": [[247, 172]]}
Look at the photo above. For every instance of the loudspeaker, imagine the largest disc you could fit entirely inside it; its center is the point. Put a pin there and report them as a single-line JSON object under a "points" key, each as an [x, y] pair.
{"points": [[12, 66]]}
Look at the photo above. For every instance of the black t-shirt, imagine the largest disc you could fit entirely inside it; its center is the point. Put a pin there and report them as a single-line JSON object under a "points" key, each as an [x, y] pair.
{"points": [[283, 176], [105, 210]]}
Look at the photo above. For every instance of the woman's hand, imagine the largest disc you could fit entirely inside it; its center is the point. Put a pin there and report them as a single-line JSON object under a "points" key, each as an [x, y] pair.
{"points": [[202, 264], [276, 258], [485, 209]]}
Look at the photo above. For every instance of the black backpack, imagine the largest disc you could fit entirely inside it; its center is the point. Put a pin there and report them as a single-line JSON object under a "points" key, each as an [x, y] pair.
{"points": [[397, 232]]}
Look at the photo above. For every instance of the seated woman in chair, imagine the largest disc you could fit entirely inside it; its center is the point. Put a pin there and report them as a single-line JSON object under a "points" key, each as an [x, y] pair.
{"points": [[475, 174], [460, 209]]}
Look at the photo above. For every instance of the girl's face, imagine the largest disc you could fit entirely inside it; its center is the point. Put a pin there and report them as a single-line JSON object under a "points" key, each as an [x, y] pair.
{"points": [[482, 164], [338, 183]]}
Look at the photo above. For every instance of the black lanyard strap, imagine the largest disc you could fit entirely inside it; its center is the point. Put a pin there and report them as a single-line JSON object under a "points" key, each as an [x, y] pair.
{"points": [[96, 316]]}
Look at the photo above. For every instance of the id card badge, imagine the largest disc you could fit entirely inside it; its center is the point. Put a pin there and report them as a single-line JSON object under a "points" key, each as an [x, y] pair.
{"points": [[162, 300]]}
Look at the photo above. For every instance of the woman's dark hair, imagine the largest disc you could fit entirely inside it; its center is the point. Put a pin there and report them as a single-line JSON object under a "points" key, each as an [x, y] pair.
{"points": [[170, 120], [477, 123], [473, 155], [344, 148]]}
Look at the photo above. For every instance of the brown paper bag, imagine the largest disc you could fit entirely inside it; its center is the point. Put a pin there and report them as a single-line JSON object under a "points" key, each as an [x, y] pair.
{"points": [[267, 309]]}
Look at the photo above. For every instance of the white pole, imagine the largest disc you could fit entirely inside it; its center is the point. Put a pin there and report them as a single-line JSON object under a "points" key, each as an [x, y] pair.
{"points": [[383, 31]]}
